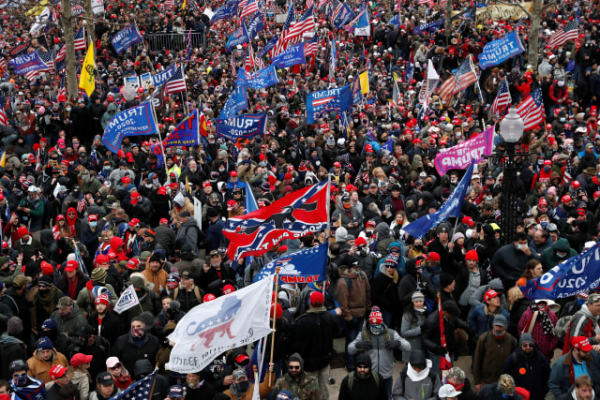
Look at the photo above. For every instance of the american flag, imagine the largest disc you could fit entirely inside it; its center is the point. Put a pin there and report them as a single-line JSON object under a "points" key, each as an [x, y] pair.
{"points": [[177, 82], [531, 110], [310, 48], [464, 77], [3, 118], [250, 8], [139, 390], [306, 24], [3, 64], [568, 32], [169, 3], [502, 99], [282, 42], [80, 40], [249, 61], [310, 3]]}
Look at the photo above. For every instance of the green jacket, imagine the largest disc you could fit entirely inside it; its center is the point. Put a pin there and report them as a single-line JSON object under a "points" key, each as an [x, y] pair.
{"points": [[306, 388], [549, 258]]}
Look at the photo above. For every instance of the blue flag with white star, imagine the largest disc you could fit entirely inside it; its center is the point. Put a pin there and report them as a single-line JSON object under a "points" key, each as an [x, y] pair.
{"points": [[139, 390]]}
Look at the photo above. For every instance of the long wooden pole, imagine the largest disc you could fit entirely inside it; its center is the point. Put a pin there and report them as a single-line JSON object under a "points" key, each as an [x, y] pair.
{"points": [[274, 314]]}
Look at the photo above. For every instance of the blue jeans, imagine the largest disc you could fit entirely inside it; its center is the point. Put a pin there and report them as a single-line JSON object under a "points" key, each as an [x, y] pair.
{"points": [[387, 382], [353, 328]]}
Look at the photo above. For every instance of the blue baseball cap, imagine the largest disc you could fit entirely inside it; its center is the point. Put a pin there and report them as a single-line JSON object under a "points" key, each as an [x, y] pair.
{"points": [[50, 324], [44, 343]]}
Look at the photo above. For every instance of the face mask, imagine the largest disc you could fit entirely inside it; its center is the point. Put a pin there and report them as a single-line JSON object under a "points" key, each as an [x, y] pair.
{"points": [[544, 224], [221, 169], [137, 332], [68, 109], [107, 168], [562, 119], [93, 224], [21, 380], [560, 254], [148, 185], [547, 169], [241, 387]]}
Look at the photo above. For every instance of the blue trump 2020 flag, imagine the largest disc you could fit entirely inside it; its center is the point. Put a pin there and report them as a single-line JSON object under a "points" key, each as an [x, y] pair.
{"points": [[227, 11], [135, 121], [450, 208], [336, 100], [126, 38], [305, 266], [498, 51], [262, 78], [186, 133], [244, 126], [430, 26], [344, 16], [27, 63], [162, 77], [236, 103], [572, 276], [291, 56]]}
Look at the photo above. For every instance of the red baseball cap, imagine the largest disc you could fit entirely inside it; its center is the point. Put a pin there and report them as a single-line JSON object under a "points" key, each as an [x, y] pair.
{"points": [[208, 297], [317, 299], [125, 179], [468, 220], [360, 241], [47, 268], [133, 264], [375, 317], [71, 266], [57, 372], [80, 358], [433, 256], [163, 221], [102, 259], [233, 173], [490, 294], [134, 221], [581, 343], [228, 289]]}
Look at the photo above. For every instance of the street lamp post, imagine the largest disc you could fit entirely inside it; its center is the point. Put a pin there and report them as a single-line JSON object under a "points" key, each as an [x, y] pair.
{"points": [[511, 131]]}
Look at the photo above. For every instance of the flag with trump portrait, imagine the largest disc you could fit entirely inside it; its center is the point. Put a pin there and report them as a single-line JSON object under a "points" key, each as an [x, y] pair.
{"points": [[293, 216], [323, 101]]}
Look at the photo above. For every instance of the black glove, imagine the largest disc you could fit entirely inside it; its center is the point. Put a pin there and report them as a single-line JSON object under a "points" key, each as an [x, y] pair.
{"points": [[364, 345], [390, 345]]}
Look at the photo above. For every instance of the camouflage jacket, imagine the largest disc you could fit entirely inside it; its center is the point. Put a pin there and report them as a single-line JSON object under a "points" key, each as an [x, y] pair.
{"points": [[306, 388]]}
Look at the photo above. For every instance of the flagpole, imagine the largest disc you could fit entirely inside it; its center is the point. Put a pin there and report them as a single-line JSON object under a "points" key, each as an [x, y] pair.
{"points": [[153, 385], [274, 319]]}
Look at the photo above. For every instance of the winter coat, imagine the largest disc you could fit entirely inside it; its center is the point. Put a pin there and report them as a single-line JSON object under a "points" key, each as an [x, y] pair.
{"points": [[382, 349], [158, 278], [530, 372], [81, 379], [411, 330], [412, 385], [480, 319], [69, 323], [431, 333], [305, 388], [312, 336], [489, 357], [353, 293], [546, 343], [385, 290], [562, 377], [360, 389], [263, 389], [40, 369], [491, 392], [549, 258], [129, 350], [111, 327], [11, 349], [585, 324], [507, 264]]}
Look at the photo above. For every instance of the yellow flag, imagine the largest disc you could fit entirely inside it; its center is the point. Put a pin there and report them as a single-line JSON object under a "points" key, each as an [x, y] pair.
{"points": [[3, 160], [87, 80], [183, 5], [395, 75], [364, 82], [37, 9]]}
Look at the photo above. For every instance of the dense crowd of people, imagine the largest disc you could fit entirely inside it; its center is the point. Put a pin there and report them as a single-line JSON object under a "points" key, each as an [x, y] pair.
{"points": [[80, 224]]}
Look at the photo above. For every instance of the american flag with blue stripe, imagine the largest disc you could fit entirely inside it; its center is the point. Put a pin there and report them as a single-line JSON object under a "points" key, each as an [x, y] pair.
{"points": [[79, 40]]}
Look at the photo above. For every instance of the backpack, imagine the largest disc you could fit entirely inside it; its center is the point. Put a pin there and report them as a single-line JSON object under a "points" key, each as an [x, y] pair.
{"points": [[562, 327], [196, 293], [351, 379], [180, 243]]}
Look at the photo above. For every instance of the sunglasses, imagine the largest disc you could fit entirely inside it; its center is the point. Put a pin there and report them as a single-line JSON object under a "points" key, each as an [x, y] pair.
{"points": [[528, 345], [294, 367]]}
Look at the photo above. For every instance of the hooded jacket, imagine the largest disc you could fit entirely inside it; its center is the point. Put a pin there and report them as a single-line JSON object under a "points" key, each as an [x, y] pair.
{"points": [[354, 388], [306, 387], [423, 385], [549, 258], [70, 322], [109, 114], [529, 371], [353, 293], [11, 349], [382, 349], [40, 369]]}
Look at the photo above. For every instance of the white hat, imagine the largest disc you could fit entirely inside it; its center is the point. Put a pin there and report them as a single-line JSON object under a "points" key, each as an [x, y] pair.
{"points": [[448, 391]]}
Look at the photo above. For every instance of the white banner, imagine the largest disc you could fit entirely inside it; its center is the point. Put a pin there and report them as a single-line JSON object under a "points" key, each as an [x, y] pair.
{"points": [[230, 321], [198, 212], [429, 85], [97, 7], [127, 300]]}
